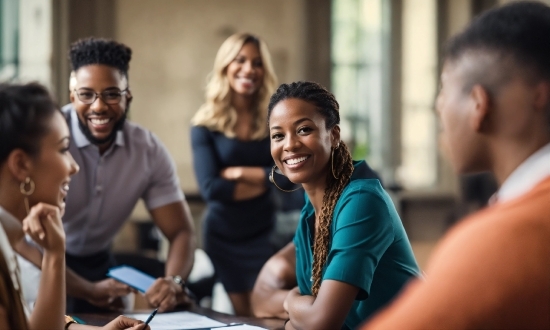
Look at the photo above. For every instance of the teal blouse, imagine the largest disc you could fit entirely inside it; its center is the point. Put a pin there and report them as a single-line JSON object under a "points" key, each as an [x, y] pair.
{"points": [[369, 248]]}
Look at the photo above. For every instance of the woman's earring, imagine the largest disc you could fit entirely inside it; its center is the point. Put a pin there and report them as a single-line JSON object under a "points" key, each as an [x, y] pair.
{"points": [[332, 161], [27, 188], [272, 180]]}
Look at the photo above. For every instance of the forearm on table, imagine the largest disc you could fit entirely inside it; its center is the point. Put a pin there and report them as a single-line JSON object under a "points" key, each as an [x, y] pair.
{"points": [[269, 303], [49, 308]]}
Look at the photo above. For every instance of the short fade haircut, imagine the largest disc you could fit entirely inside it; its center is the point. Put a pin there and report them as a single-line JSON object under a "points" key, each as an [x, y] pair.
{"points": [[100, 51], [517, 33]]}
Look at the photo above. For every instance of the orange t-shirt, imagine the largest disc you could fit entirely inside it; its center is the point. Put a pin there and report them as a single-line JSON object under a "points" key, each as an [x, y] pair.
{"points": [[491, 271]]}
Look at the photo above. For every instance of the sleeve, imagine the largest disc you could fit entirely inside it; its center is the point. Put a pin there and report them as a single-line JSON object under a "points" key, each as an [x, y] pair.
{"points": [[363, 231], [207, 167], [164, 187]]}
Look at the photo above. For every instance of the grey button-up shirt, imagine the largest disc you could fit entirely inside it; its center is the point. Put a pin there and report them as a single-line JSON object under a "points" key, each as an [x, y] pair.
{"points": [[104, 192]]}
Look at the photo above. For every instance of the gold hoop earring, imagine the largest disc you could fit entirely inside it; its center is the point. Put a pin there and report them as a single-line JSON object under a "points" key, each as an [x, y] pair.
{"points": [[332, 161], [28, 183], [272, 180]]}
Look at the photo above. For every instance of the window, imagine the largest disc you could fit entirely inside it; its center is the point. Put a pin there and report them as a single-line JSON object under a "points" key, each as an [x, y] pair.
{"points": [[419, 78], [357, 75], [9, 40]]}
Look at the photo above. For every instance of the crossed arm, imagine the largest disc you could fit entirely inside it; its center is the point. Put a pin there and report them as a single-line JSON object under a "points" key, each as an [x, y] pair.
{"points": [[275, 294], [276, 279]]}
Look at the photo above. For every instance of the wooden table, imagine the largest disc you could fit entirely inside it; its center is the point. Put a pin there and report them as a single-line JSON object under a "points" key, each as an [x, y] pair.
{"points": [[102, 319]]}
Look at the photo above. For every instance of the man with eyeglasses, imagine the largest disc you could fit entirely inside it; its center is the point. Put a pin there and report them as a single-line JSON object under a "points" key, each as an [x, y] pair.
{"points": [[120, 163]]}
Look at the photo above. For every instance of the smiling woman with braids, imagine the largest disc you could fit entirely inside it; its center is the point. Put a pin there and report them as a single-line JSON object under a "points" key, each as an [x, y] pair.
{"points": [[352, 253]]}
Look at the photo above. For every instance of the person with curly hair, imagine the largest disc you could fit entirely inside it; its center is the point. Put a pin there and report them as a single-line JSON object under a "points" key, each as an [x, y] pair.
{"points": [[120, 163], [232, 163], [351, 252]]}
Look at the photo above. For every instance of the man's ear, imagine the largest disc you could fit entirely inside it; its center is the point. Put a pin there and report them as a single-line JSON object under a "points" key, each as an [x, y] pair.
{"points": [[481, 107], [129, 96], [335, 132], [19, 164]]}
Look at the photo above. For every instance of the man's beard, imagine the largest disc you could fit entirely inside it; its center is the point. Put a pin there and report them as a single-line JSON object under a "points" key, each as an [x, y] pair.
{"points": [[109, 138]]}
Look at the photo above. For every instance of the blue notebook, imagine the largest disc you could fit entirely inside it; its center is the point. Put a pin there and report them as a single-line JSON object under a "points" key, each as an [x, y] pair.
{"points": [[132, 277]]}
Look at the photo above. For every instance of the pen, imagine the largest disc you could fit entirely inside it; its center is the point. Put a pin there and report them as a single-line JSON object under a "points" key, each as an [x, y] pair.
{"points": [[78, 320], [151, 316]]}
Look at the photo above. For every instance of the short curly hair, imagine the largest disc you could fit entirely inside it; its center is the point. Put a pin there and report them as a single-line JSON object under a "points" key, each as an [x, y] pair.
{"points": [[100, 51]]}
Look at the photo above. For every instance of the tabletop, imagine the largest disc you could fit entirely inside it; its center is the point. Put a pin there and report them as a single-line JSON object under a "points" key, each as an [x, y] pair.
{"points": [[104, 318]]}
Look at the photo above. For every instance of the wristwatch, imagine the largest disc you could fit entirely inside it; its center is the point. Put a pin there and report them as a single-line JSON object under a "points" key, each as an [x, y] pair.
{"points": [[68, 321], [179, 281]]}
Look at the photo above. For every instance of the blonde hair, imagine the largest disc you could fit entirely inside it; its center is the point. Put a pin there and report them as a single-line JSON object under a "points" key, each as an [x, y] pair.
{"points": [[216, 113]]}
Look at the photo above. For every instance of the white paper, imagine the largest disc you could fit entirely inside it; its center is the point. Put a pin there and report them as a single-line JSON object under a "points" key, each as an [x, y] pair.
{"points": [[242, 327], [178, 320]]}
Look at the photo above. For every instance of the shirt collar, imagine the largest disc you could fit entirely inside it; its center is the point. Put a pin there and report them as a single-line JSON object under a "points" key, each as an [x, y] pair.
{"points": [[528, 174], [81, 140]]}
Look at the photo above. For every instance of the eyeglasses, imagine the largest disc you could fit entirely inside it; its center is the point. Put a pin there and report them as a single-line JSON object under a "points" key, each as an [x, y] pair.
{"points": [[109, 96]]}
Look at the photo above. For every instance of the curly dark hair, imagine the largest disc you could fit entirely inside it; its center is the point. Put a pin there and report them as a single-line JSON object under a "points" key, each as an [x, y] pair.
{"points": [[327, 105], [24, 114], [100, 51]]}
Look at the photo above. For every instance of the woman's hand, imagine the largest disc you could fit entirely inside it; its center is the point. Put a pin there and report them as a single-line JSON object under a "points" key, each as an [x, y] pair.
{"points": [[44, 226], [123, 322], [291, 295], [120, 323], [233, 173]]}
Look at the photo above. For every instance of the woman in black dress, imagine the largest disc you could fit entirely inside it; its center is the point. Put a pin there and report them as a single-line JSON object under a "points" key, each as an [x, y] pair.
{"points": [[232, 163]]}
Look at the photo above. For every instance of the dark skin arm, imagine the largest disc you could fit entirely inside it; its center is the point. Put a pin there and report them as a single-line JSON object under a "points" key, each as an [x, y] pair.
{"points": [[274, 282], [175, 222], [326, 311], [102, 293]]}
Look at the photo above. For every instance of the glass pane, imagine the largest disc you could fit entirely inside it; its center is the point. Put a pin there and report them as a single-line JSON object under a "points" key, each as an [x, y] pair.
{"points": [[9, 39], [356, 74]]}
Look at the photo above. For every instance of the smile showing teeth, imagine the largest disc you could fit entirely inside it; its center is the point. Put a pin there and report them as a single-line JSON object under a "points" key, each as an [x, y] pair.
{"points": [[97, 121], [295, 161], [65, 187]]}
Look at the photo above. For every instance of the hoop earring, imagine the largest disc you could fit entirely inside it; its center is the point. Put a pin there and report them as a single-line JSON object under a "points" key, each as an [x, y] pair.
{"points": [[27, 192], [272, 180], [332, 161]]}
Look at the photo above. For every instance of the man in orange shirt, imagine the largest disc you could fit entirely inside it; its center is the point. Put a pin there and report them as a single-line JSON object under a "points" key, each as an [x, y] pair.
{"points": [[493, 269]]}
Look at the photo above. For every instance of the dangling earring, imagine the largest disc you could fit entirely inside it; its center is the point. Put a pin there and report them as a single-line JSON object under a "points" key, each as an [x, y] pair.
{"points": [[272, 180], [27, 188], [332, 160]]}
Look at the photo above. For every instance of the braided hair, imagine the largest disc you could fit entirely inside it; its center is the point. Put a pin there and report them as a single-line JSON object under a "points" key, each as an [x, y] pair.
{"points": [[100, 51], [327, 105]]}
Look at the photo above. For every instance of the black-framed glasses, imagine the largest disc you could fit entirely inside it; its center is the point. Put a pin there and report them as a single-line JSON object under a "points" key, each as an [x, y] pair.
{"points": [[111, 96]]}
